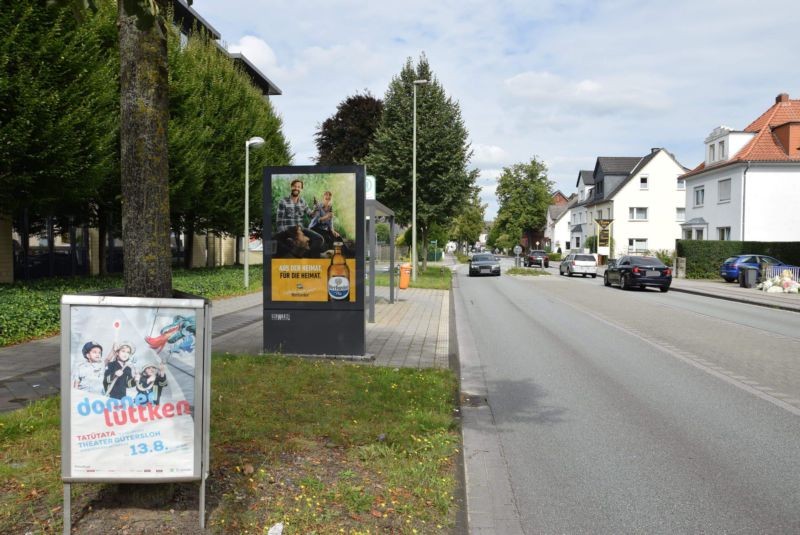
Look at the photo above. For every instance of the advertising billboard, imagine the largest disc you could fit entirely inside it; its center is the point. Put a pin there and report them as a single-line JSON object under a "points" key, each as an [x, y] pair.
{"points": [[133, 372], [314, 258]]}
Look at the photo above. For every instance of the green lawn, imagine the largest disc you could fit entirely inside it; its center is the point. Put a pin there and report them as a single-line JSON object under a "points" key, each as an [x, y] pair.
{"points": [[322, 446], [30, 310], [433, 278]]}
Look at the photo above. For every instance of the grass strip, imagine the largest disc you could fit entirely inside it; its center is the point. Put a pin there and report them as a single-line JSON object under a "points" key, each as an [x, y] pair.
{"points": [[30, 309], [433, 278], [320, 445], [530, 272]]}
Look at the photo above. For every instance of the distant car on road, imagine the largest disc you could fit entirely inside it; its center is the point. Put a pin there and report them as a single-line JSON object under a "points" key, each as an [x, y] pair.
{"points": [[730, 268], [583, 264], [484, 264], [638, 272], [537, 258]]}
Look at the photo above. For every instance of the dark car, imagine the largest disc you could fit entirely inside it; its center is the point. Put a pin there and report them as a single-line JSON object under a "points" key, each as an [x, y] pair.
{"points": [[537, 258], [638, 272], [484, 264], [730, 268]]}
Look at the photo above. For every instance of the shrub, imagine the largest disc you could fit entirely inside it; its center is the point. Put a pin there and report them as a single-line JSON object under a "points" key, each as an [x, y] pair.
{"points": [[703, 257]]}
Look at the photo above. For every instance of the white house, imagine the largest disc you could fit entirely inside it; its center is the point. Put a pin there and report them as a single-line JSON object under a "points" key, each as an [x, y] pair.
{"points": [[578, 215], [643, 197], [748, 187], [557, 231]]}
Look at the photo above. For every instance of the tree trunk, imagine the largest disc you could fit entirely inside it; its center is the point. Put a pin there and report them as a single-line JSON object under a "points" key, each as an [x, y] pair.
{"points": [[102, 250], [144, 112], [189, 244], [424, 241]]}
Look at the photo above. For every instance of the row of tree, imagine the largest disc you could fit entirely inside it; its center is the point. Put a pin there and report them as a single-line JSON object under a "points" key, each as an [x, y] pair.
{"points": [[61, 141], [524, 193], [379, 134]]}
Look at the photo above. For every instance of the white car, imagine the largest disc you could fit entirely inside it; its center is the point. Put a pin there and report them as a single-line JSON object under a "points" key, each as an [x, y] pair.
{"points": [[582, 264]]}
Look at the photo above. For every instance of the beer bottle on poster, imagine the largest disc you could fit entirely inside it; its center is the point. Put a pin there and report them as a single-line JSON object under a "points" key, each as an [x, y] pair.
{"points": [[338, 276]]}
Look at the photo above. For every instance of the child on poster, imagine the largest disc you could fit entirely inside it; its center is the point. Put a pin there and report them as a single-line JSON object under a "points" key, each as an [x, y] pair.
{"points": [[119, 374], [152, 380], [88, 375]]}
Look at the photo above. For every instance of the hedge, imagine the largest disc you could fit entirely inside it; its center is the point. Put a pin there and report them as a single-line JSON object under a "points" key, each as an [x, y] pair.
{"points": [[704, 257]]}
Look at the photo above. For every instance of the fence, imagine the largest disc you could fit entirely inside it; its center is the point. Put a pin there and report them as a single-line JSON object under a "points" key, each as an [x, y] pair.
{"points": [[771, 270]]}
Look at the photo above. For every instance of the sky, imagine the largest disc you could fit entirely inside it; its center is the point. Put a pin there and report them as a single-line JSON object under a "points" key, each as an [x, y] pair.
{"points": [[563, 81]]}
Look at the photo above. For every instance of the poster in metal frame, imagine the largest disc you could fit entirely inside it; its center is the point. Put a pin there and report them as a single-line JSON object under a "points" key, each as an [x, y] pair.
{"points": [[135, 382], [297, 266]]}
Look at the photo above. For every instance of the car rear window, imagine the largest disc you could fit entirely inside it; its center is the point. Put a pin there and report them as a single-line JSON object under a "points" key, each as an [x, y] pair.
{"points": [[731, 260], [646, 261], [584, 257]]}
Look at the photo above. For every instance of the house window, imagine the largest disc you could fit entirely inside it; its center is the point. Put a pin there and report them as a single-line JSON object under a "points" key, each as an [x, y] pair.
{"points": [[724, 233], [642, 182], [699, 195], [577, 242], [637, 245], [698, 234], [724, 190], [680, 214], [710, 153], [637, 214], [687, 234], [722, 150], [681, 183]]}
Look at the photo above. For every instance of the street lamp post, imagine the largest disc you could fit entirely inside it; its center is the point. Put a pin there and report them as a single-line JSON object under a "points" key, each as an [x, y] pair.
{"points": [[414, 188], [252, 142]]}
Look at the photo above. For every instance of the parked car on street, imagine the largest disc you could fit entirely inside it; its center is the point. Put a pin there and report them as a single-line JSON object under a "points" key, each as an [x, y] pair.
{"points": [[730, 268], [638, 272], [583, 264], [484, 264], [537, 258]]}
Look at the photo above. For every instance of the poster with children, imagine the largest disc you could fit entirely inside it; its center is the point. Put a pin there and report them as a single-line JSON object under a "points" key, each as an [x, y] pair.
{"points": [[132, 392]]}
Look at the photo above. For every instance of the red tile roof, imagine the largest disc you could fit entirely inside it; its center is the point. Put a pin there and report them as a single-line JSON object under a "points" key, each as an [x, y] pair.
{"points": [[765, 146]]}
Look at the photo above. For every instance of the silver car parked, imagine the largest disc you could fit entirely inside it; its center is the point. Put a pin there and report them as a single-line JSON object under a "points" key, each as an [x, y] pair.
{"points": [[582, 264]]}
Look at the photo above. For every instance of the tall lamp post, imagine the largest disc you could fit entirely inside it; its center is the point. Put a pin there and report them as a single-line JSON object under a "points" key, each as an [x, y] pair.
{"points": [[414, 189], [252, 142]]}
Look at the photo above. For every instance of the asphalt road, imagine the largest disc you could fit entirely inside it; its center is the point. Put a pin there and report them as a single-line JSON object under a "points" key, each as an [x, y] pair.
{"points": [[636, 411]]}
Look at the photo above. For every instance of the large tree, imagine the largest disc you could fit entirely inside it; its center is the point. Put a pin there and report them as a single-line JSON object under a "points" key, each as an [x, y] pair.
{"points": [[58, 111], [523, 195], [344, 138], [468, 225], [443, 152], [214, 108], [144, 116]]}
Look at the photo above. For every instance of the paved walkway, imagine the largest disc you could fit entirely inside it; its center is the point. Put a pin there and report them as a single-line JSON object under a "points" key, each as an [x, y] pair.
{"points": [[411, 332]]}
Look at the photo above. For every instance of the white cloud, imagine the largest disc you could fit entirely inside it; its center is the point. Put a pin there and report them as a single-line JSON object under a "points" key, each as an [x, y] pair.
{"points": [[564, 81], [488, 155]]}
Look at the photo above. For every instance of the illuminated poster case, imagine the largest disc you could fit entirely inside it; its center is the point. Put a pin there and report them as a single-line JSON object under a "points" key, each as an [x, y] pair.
{"points": [[314, 260]]}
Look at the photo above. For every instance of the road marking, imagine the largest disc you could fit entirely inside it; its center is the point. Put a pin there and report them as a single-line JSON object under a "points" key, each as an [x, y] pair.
{"points": [[743, 383]]}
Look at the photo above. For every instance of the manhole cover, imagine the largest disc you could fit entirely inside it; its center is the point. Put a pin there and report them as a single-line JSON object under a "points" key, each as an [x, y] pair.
{"points": [[472, 400]]}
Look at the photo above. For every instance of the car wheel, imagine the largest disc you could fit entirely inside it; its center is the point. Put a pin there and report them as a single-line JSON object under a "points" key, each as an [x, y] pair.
{"points": [[594, 275], [569, 272], [606, 282], [729, 279], [664, 289], [623, 283], [584, 275]]}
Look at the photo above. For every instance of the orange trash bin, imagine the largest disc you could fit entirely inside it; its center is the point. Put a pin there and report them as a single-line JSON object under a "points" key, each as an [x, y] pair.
{"points": [[405, 276]]}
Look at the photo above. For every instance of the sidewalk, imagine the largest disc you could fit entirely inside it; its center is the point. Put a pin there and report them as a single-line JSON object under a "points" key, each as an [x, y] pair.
{"points": [[412, 332], [720, 289]]}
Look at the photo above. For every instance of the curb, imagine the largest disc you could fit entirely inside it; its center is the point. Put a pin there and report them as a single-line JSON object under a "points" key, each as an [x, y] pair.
{"points": [[704, 293]]}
